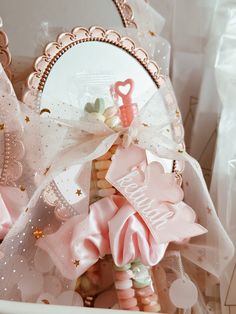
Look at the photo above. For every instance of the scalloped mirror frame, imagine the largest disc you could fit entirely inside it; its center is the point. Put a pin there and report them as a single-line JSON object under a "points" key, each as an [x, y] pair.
{"points": [[126, 13], [65, 41], [5, 54]]}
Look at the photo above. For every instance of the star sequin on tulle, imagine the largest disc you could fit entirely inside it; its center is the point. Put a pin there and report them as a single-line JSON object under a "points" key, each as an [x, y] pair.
{"points": [[45, 301], [38, 233], [46, 170], [177, 113], [27, 119], [136, 141], [76, 263], [2, 126], [78, 192], [22, 188], [153, 34]]}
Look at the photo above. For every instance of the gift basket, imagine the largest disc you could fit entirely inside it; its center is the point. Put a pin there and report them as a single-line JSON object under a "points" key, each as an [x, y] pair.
{"points": [[101, 205]]}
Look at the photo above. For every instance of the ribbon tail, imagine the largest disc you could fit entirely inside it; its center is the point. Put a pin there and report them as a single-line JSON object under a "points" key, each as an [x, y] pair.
{"points": [[217, 239]]}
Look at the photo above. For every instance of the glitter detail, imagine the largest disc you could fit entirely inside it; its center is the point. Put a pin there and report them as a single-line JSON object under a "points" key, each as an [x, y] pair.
{"points": [[2, 126], [153, 34], [78, 192], [27, 119], [76, 263], [46, 170], [38, 233]]}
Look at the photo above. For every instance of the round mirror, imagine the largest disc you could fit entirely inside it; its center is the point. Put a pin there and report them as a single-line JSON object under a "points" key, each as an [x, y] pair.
{"points": [[28, 33], [83, 58]]}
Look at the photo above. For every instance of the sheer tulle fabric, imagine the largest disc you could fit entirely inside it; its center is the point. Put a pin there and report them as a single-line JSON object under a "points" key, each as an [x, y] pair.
{"points": [[59, 144]]}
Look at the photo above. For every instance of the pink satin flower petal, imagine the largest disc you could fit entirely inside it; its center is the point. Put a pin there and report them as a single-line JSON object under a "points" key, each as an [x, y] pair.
{"points": [[85, 241], [130, 238], [112, 226]]}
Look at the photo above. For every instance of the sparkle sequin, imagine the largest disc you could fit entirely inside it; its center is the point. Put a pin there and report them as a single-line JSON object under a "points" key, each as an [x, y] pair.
{"points": [[27, 119], [46, 171], [76, 263], [38, 233], [2, 126], [153, 34], [78, 192], [22, 188]]}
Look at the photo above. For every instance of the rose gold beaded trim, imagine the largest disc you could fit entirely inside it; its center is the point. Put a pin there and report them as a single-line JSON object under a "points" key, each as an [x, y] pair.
{"points": [[65, 41], [125, 12], [5, 55]]}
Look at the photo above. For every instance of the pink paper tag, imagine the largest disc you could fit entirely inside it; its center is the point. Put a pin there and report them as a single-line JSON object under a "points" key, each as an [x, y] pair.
{"points": [[155, 195]]}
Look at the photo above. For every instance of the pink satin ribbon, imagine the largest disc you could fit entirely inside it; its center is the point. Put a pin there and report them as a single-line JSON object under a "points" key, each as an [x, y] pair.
{"points": [[12, 202], [112, 227]]}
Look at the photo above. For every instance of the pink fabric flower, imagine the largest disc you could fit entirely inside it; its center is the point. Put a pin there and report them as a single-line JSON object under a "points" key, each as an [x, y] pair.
{"points": [[112, 227]]}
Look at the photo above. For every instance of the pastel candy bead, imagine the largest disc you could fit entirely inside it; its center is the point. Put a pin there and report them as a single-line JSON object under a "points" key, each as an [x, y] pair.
{"points": [[89, 107], [122, 268], [106, 192], [135, 309], [144, 283], [152, 308], [145, 292], [97, 116], [105, 156], [103, 184], [102, 165], [140, 272], [125, 294], [101, 174], [123, 275], [122, 285], [150, 299], [128, 303], [99, 105], [110, 112], [112, 122]]}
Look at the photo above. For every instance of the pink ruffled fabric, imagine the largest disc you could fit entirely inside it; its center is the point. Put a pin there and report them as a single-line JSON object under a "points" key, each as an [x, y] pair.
{"points": [[112, 227]]}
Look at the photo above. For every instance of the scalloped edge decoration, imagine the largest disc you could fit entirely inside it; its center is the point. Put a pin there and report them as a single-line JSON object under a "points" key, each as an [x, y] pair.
{"points": [[5, 54], [54, 50], [126, 13]]}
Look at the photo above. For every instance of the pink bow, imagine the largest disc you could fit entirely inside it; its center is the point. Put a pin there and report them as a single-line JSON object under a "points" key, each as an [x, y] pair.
{"points": [[12, 202], [112, 227]]}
